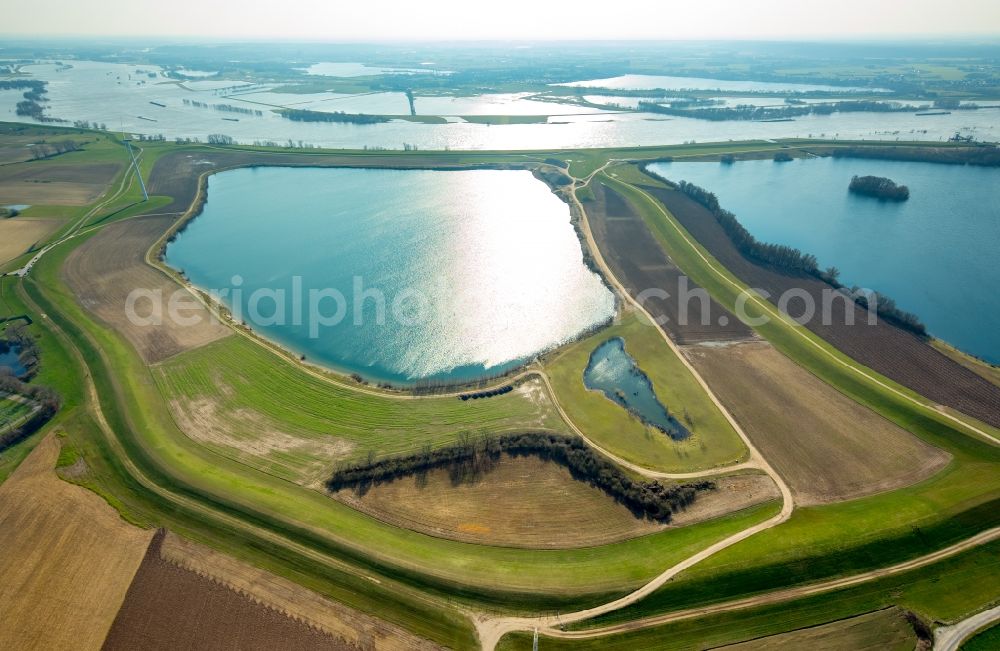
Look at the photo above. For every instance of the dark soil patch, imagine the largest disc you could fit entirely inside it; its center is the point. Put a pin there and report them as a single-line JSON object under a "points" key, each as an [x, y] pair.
{"points": [[640, 264], [168, 607]]}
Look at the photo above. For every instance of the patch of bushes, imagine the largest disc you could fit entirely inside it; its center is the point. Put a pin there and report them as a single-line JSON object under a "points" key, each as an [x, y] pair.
{"points": [[46, 399], [650, 499]]}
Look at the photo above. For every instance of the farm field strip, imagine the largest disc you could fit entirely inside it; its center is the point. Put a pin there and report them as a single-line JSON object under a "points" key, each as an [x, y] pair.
{"points": [[67, 558]]}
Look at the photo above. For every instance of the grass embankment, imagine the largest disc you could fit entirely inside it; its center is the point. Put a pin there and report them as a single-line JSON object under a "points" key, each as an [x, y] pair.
{"points": [[713, 442], [826, 541], [507, 577], [248, 404], [945, 591]]}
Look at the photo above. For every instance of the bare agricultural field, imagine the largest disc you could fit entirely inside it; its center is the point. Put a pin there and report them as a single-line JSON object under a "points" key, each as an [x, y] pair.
{"points": [[522, 502], [528, 502], [200, 600], [881, 630], [18, 234], [53, 184], [111, 264], [732, 493], [826, 446], [980, 367], [67, 560], [347, 625], [641, 265]]}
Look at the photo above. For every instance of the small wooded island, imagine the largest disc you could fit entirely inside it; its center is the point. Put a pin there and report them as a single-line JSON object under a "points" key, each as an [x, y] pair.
{"points": [[879, 187]]}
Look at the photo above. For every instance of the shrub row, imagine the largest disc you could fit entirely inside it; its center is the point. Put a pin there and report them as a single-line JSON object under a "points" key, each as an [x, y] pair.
{"points": [[650, 499], [983, 155], [507, 388]]}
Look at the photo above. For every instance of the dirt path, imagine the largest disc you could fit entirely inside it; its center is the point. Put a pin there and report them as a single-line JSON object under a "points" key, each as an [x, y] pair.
{"points": [[795, 593], [949, 638]]}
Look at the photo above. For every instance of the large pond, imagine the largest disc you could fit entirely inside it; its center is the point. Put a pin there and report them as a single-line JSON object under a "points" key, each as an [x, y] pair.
{"points": [[613, 372], [935, 254], [444, 275], [125, 97]]}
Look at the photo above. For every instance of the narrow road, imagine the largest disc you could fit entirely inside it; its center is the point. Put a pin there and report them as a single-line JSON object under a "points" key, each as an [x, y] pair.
{"points": [[792, 593], [949, 638]]}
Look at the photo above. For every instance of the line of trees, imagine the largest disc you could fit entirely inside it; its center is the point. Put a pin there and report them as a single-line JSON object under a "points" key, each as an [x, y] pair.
{"points": [[304, 115], [34, 94], [651, 499], [879, 187], [499, 391], [49, 149], [783, 257], [764, 113], [980, 155], [789, 259], [226, 108]]}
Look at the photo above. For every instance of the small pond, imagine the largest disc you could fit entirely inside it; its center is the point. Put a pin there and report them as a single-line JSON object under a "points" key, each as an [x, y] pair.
{"points": [[614, 372], [10, 359]]}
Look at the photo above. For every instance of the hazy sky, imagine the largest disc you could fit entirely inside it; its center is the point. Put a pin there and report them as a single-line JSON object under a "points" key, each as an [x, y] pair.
{"points": [[502, 19]]}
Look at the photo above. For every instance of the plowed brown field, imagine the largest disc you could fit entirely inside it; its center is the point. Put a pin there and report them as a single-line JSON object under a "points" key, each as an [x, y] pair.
{"points": [[826, 446], [66, 559], [106, 268], [640, 264]]}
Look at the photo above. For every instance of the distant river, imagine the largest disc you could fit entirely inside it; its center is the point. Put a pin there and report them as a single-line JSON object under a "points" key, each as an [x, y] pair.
{"points": [[936, 254], [450, 275], [126, 98]]}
